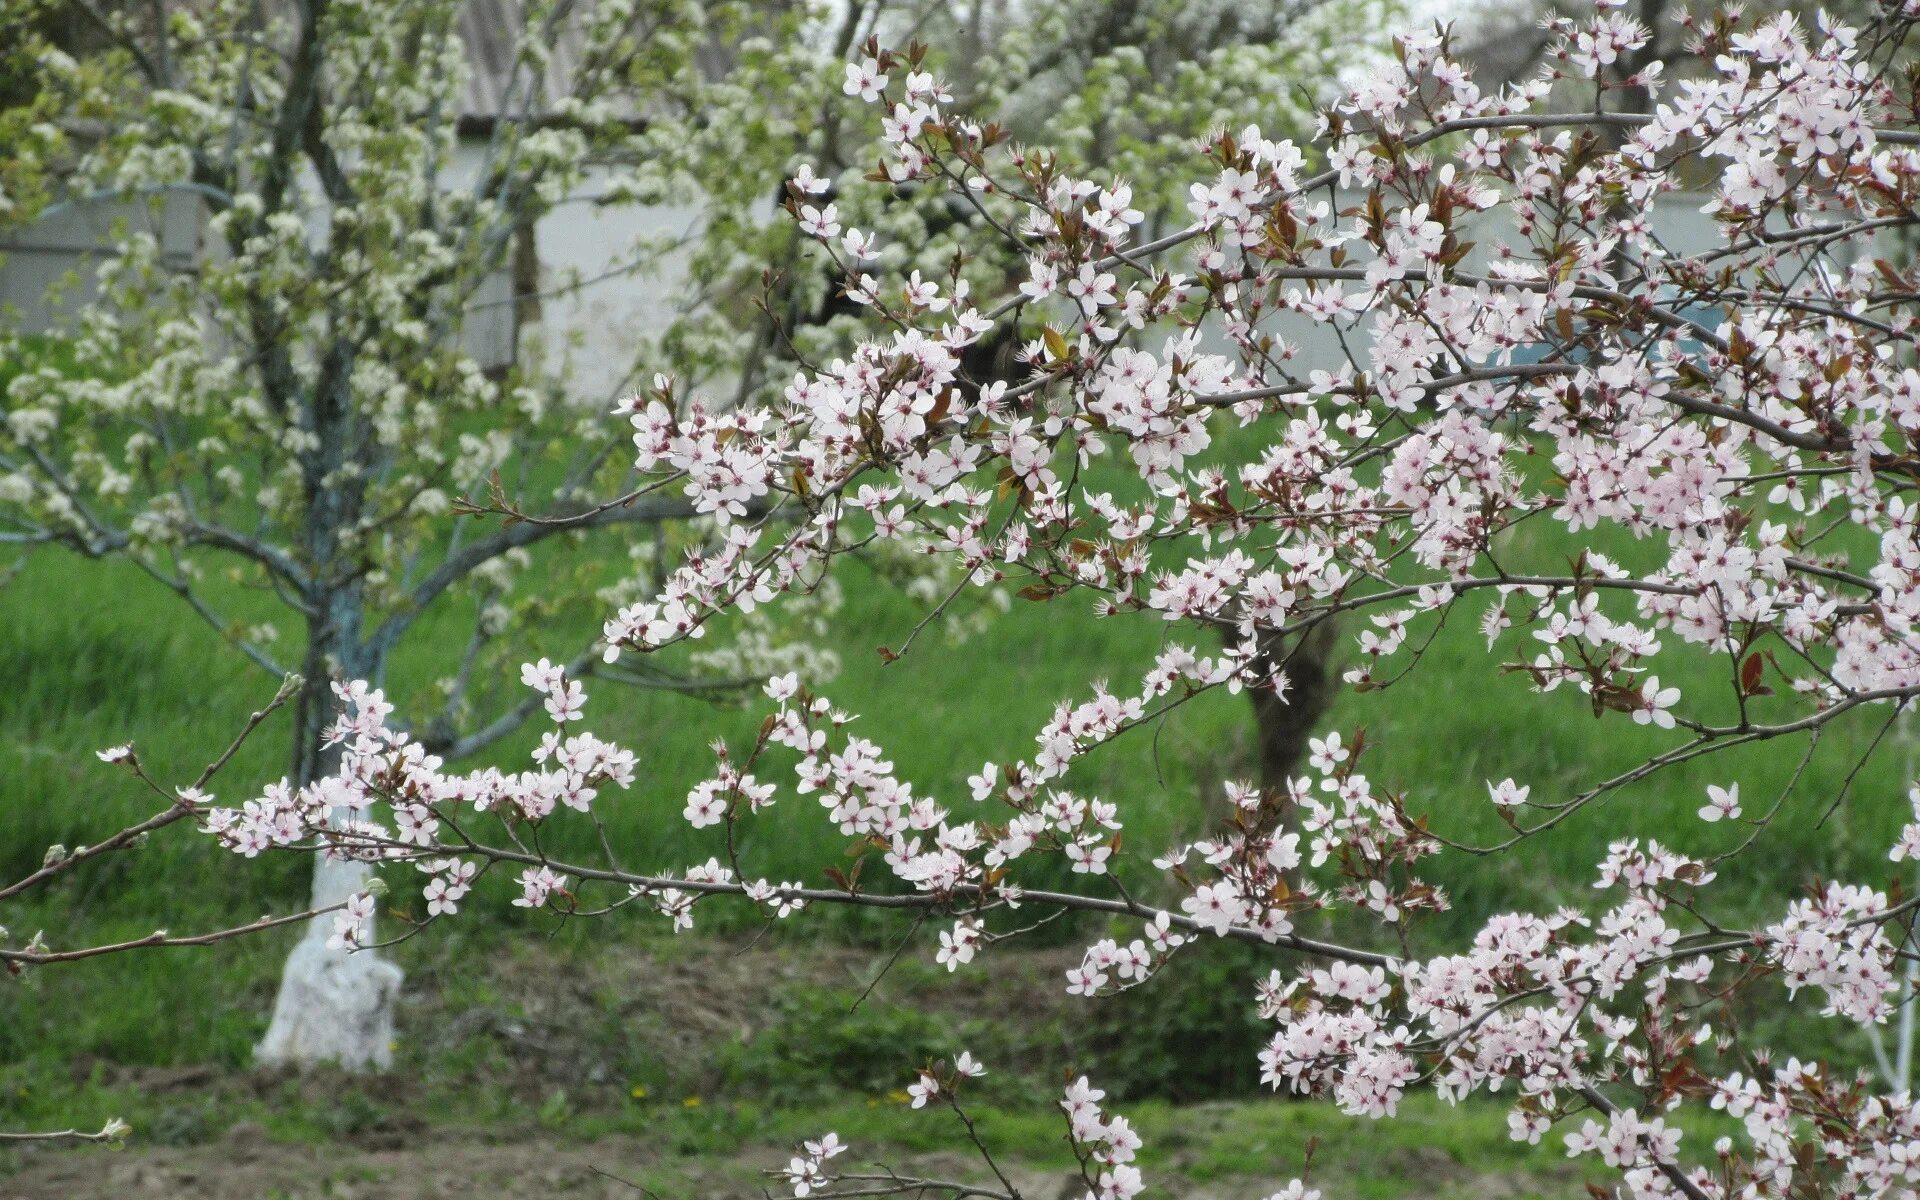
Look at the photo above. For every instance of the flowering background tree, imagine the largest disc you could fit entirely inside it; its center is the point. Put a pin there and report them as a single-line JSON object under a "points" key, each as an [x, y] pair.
{"points": [[1434, 366], [297, 412]]}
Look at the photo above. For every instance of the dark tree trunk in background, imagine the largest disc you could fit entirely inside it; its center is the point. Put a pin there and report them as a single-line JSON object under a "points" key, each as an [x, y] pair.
{"points": [[1282, 727]]}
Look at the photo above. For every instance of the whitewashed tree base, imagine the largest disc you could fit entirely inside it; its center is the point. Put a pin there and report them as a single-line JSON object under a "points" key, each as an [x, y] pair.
{"points": [[334, 1006]]}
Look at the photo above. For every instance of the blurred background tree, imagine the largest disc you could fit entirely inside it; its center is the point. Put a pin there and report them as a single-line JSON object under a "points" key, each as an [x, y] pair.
{"points": [[289, 278]]}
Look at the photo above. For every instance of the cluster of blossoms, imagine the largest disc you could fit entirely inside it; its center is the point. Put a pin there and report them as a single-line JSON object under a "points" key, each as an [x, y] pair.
{"points": [[1726, 408], [1104, 1143], [807, 1170]]}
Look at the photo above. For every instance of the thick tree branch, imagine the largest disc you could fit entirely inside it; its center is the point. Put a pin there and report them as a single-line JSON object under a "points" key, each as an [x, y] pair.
{"points": [[467, 558]]}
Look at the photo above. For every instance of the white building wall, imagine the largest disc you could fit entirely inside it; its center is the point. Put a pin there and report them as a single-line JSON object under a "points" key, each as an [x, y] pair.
{"points": [[627, 287], [48, 268], [624, 290]]}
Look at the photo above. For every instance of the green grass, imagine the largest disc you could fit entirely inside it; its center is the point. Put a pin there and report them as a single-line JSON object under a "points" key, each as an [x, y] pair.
{"points": [[95, 653], [1457, 722], [128, 665]]}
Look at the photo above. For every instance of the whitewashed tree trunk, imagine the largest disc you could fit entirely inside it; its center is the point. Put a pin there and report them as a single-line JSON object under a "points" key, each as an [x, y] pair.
{"points": [[334, 1006]]}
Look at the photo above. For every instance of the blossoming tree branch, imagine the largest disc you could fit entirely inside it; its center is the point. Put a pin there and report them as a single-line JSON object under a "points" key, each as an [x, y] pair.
{"points": [[1745, 416]]}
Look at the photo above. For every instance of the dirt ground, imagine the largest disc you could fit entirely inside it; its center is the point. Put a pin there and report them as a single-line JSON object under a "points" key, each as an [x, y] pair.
{"points": [[546, 1022], [245, 1166]]}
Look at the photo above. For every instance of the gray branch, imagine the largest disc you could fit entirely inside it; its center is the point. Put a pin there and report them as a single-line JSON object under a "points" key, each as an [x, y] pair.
{"points": [[466, 559]]}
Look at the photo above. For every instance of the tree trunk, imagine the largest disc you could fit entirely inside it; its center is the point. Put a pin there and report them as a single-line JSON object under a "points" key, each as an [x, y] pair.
{"points": [[334, 1006], [1283, 726]]}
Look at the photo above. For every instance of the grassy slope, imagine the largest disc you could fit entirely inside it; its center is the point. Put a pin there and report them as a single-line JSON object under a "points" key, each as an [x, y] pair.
{"points": [[1223, 1150], [91, 675], [94, 654], [122, 662], [688, 1065]]}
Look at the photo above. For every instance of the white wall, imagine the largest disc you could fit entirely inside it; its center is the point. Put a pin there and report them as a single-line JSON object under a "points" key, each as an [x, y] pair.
{"points": [[616, 302], [594, 329], [69, 241]]}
